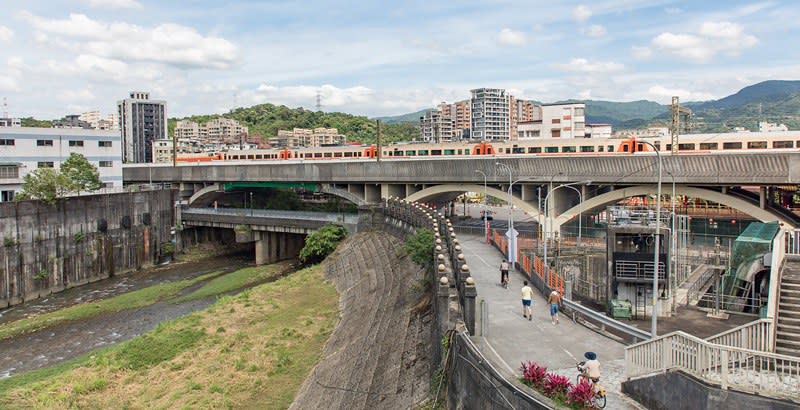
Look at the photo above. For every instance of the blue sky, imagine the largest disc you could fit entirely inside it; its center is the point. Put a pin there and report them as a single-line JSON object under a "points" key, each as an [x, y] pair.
{"points": [[384, 58]]}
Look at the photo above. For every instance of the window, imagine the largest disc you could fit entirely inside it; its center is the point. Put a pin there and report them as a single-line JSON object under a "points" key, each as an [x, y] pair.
{"points": [[556, 120], [6, 142], [103, 143], [579, 112], [756, 144], [686, 147], [9, 172], [45, 164], [709, 146], [44, 143], [568, 149], [551, 149], [73, 143], [782, 144], [731, 145], [587, 148], [6, 196], [106, 164]]}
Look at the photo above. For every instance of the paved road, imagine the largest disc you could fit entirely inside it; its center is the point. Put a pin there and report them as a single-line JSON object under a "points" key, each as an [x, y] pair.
{"points": [[510, 339]]}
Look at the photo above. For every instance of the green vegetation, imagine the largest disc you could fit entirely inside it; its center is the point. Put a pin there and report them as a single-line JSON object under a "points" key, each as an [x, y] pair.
{"points": [[236, 280], [420, 247], [32, 122], [131, 300], [46, 184], [271, 339], [322, 243], [265, 120]]}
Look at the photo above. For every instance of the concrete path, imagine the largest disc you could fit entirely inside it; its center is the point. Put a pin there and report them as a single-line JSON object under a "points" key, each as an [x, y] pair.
{"points": [[511, 339]]}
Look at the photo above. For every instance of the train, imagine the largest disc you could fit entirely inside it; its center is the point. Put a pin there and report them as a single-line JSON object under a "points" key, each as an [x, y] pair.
{"points": [[721, 143]]}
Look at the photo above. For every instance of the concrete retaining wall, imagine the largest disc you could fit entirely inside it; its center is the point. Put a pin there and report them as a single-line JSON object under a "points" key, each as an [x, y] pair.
{"points": [[678, 390], [48, 248]]}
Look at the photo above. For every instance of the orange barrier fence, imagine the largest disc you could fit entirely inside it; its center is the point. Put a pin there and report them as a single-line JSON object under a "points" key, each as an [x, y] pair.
{"points": [[530, 265]]}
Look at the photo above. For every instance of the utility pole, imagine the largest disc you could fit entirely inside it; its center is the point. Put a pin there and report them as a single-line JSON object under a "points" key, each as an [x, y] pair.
{"points": [[675, 129], [378, 140]]}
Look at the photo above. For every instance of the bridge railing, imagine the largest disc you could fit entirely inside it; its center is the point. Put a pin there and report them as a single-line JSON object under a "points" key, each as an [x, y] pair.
{"points": [[756, 335], [767, 374], [792, 242]]}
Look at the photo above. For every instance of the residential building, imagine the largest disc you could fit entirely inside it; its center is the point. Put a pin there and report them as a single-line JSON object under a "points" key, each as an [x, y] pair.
{"points": [[661, 132], [142, 121], [216, 131], [437, 125], [72, 121], [25, 149], [554, 121], [162, 150], [10, 122], [98, 122], [187, 129], [598, 130], [304, 137], [490, 115], [764, 126], [463, 119]]}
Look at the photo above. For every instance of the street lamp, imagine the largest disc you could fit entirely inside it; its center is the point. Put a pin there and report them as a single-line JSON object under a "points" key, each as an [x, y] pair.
{"points": [[512, 239], [580, 210], [546, 199], [485, 214], [654, 320], [251, 204], [673, 243]]}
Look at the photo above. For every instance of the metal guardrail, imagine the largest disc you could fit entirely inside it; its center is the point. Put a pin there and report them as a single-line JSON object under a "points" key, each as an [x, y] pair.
{"points": [[275, 214], [607, 321]]}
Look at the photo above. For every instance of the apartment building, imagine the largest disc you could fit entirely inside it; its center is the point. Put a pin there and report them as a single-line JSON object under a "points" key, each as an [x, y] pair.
{"points": [[142, 121], [437, 125], [491, 120], [25, 149], [98, 122], [10, 122], [216, 131], [304, 137], [598, 130], [554, 121]]}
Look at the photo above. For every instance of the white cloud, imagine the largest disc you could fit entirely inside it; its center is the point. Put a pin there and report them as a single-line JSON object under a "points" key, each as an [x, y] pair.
{"points": [[595, 30], [6, 34], [673, 10], [641, 52], [581, 13], [712, 38], [76, 95], [167, 43], [511, 37], [8, 84], [331, 96], [658, 92], [585, 66], [115, 4]]}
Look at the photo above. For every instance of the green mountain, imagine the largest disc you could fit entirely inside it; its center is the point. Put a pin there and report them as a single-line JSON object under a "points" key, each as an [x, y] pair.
{"points": [[616, 113], [266, 119], [404, 118]]}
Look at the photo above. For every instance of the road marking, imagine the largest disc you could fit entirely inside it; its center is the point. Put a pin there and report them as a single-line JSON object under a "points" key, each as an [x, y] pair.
{"points": [[570, 355]]}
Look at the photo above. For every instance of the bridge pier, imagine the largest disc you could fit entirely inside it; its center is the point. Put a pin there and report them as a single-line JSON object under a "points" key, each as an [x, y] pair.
{"points": [[271, 247]]}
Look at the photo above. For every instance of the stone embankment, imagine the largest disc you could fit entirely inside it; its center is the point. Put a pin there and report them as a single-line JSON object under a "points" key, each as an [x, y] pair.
{"points": [[379, 353]]}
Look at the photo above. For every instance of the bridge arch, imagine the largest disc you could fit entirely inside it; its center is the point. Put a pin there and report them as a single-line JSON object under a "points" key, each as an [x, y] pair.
{"points": [[615, 196], [216, 187], [497, 193]]}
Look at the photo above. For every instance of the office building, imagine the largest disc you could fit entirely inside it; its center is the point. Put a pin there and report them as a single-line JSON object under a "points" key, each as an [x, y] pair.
{"points": [[142, 121], [25, 149]]}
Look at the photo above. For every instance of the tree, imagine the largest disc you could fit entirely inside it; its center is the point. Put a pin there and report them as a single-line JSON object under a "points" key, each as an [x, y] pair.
{"points": [[321, 243], [45, 184], [82, 173], [420, 247]]}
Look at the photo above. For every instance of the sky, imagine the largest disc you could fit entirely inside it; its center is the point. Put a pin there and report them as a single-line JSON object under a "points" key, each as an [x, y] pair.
{"points": [[380, 58]]}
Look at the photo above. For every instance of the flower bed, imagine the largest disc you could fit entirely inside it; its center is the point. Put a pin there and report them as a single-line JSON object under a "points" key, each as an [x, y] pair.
{"points": [[557, 387]]}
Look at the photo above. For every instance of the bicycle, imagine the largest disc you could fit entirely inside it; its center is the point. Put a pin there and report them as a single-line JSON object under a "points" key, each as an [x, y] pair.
{"points": [[505, 279], [598, 400]]}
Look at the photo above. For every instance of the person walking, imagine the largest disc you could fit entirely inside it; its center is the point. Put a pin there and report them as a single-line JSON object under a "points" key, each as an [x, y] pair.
{"points": [[554, 300], [504, 273], [527, 294]]}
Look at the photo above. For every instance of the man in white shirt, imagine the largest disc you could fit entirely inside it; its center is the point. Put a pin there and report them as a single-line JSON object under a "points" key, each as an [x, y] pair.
{"points": [[527, 295]]}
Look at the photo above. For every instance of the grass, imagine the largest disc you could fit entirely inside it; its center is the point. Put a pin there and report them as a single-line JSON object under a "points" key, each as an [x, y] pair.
{"points": [[138, 298], [270, 340], [235, 280]]}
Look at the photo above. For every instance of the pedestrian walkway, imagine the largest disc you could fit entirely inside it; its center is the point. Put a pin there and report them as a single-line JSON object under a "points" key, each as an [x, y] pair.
{"points": [[510, 339]]}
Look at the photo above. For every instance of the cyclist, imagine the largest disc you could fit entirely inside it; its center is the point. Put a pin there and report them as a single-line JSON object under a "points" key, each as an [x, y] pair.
{"points": [[590, 369], [504, 273]]}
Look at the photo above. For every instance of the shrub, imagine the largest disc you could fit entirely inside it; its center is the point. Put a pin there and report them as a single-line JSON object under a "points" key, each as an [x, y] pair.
{"points": [[321, 243], [533, 375], [41, 275], [419, 247], [9, 242], [167, 247], [241, 228], [581, 394], [556, 385], [78, 236]]}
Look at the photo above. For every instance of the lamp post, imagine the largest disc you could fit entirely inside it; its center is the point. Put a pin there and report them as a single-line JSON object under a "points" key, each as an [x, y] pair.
{"points": [[485, 214], [654, 319], [251, 204], [546, 199], [580, 210], [512, 239], [673, 243]]}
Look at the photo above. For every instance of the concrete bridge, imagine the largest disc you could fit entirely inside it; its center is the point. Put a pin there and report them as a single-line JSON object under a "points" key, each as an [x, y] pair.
{"points": [[714, 177]]}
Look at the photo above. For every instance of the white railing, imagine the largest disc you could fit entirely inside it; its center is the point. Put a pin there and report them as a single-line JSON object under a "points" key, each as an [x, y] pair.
{"points": [[755, 335], [793, 242], [767, 374]]}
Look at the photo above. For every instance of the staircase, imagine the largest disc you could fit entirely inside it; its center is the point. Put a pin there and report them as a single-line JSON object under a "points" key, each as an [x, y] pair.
{"points": [[787, 338]]}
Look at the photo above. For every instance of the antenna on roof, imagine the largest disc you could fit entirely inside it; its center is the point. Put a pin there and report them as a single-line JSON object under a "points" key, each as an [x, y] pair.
{"points": [[5, 107]]}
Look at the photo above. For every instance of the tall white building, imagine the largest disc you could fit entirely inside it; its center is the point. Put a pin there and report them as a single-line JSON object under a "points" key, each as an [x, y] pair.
{"points": [[25, 149], [491, 120], [142, 121]]}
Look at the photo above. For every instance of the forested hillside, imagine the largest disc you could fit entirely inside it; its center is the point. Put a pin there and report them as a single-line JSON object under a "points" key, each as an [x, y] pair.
{"points": [[266, 119]]}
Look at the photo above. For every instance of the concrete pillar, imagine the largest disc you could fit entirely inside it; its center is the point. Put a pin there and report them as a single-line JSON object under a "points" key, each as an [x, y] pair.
{"points": [[469, 304], [262, 250], [442, 308], [273, 245], [372, 193], [762, 197], [528, 192], [411, 189]]}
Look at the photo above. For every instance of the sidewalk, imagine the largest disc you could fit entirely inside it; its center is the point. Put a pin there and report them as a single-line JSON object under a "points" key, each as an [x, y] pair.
{"points": [[511, 339]]}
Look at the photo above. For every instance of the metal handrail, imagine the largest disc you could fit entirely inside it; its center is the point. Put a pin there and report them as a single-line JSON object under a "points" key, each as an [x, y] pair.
{"points": [[607, 321]]}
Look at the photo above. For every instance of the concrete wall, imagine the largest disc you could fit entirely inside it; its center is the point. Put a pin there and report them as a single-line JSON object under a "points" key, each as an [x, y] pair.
{"points": [[677, 390], [48, 248]]}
